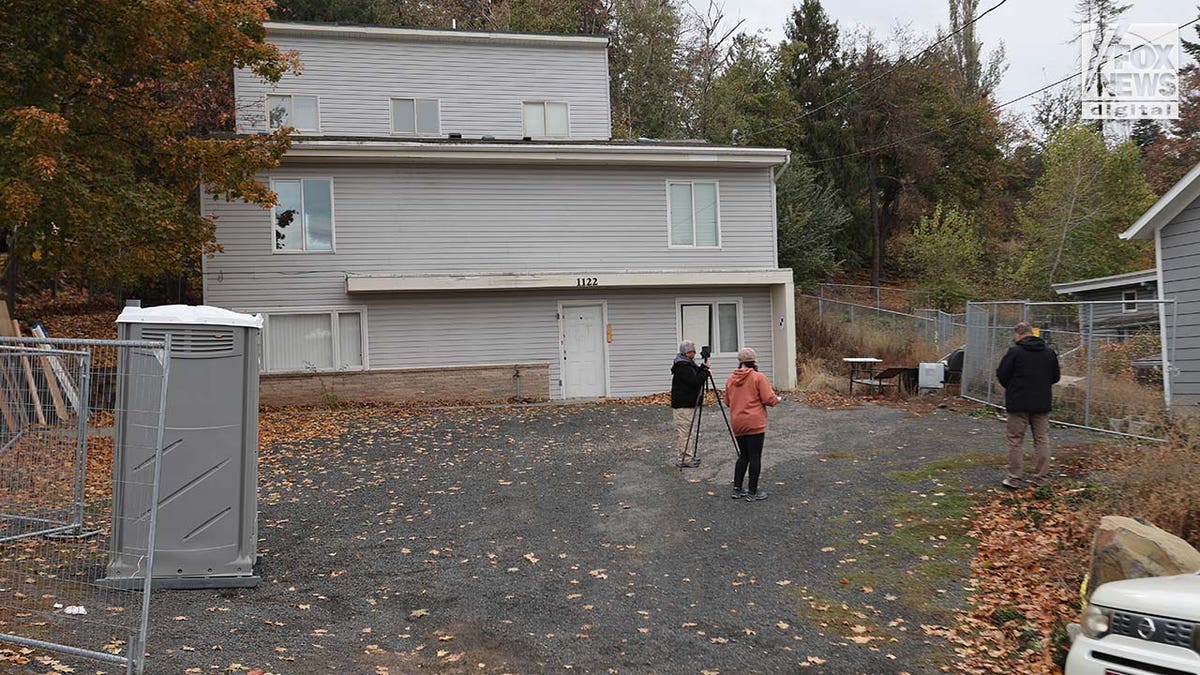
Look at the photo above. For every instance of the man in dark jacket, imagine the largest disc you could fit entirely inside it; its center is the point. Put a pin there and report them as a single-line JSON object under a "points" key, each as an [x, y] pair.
{"points": [[1027, 372], [687, 381]]}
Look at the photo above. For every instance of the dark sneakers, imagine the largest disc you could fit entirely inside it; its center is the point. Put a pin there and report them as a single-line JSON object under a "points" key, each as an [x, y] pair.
{"points": [[738, 493], [690, 464], [755, 496], [1013, 483]]}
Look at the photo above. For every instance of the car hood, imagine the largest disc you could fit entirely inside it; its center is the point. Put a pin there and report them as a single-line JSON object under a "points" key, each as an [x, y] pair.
{"points": [[1176, 597]]}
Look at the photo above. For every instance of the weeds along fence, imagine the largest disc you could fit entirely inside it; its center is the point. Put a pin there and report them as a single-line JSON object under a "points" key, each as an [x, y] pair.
{"points": [[81, 438], [1115, 358], [943, 331]]}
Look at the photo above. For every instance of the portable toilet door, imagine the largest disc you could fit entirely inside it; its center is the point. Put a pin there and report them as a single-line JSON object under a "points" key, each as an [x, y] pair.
{"points": [[207, 532]]}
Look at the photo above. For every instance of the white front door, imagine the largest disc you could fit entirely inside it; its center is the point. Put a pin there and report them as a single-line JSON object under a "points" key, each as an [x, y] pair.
{"points": [[583, 364]]}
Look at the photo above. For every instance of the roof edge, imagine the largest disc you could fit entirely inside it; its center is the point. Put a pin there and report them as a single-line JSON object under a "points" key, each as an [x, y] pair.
{"points": [[434, 34], [1113, 281], [1167, 207]]}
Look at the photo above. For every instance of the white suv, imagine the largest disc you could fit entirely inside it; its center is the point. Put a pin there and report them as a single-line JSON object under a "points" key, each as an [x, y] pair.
{"points": [[1140, 627]]}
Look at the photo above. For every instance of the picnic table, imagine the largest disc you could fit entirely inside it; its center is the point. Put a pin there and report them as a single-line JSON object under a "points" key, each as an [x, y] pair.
{"points": [[863, 372]]}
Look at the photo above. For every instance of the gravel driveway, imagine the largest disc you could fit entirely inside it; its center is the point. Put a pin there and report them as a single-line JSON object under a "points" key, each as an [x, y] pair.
{"points": [[559, 537]]}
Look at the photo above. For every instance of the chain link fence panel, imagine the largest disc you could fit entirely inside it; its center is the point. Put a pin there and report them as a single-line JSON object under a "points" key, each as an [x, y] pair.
{"points": [[1111, 355], [71, 412]]}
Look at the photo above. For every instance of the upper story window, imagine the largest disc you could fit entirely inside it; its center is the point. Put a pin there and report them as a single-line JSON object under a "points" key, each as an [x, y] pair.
{"points": [[693, 209], [1129, 299], [302, 218], [417, 116], [299, 112], [546, 119]]}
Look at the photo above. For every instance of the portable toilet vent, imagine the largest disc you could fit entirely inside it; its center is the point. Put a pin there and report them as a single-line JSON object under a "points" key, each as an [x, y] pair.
{"points": [[207, 529]]}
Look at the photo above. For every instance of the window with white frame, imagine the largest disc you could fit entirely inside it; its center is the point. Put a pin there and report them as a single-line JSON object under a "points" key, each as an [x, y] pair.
{"points": [[715, 324], [299, 112], [313, 340], [416, 116], [546, 119], [302, 218], [1129, 298], [693, 209]]}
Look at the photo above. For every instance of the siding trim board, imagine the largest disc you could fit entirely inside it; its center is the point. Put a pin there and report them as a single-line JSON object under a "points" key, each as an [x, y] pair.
{"points": [[391, 150], [393, 283]]}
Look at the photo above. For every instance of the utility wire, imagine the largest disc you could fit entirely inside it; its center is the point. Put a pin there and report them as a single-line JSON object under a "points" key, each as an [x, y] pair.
{"points": [[995, 108], [898, 65]]}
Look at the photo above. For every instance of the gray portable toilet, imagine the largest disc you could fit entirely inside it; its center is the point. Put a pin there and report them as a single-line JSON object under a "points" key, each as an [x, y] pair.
{"points": [[207, 533]]}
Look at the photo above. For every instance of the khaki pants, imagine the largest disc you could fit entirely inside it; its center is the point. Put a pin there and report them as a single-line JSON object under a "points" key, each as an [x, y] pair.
{"points": [[684, 447], [1017, 423]]}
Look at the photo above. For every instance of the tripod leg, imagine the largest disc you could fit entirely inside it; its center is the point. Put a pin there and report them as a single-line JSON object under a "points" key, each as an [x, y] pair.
{"points": [[736, 448]]}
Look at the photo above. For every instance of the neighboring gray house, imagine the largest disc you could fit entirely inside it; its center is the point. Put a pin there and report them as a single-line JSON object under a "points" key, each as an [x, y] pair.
{"points": [[1173, 223], [1119, 312], [454, 221]]}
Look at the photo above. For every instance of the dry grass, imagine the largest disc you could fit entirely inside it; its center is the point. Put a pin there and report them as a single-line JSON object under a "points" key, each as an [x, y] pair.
{"points": [[1157, 483], [821, 346]]}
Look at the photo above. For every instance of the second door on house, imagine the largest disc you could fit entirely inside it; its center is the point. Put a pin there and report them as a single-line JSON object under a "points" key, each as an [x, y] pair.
{"points": [[583, 360]]}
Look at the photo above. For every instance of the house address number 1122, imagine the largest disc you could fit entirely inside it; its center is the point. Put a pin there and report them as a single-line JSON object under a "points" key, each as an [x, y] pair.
{"points": [[587, 281]]}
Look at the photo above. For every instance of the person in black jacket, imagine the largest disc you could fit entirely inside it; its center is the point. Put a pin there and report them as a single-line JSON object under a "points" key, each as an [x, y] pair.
{"points": [[1027, 372], [687, 381]]}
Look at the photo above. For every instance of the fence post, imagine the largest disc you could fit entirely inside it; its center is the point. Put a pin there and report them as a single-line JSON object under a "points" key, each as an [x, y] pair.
{"points": [[81, 449], [1087, 400], [821, 301]]}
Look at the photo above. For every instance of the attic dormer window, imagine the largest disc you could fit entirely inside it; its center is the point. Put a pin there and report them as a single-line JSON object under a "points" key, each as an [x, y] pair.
{"points": [[416, 116], [299, 112], [546, 119]]}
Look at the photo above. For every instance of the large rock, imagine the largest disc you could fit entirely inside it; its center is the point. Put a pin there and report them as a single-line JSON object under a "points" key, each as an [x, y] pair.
{"points": [[1125, 548]]}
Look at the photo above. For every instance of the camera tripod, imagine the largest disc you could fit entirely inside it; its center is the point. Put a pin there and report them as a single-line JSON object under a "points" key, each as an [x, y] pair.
{"points": [[694, 428]]}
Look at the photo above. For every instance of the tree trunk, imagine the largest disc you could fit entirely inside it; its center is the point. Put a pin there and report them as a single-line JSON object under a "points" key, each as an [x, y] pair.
{"points": [[10, 275], [876, 238]]}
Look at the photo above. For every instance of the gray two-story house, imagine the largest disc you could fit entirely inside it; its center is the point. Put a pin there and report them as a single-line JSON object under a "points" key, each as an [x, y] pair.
{"points": [[454, 221], [1173, 224]]}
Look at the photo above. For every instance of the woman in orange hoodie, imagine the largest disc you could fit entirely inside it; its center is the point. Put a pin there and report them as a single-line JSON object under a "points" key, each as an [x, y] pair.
{"points": [[748, 393]]}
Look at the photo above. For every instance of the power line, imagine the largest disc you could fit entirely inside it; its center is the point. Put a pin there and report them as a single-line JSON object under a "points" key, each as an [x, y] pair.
{"points": [[995, 108], [898, 65]]}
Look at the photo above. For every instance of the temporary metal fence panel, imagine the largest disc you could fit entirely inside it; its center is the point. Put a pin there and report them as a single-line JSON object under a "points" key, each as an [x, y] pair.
{"points": [[945, 332], [1111, 355], [60, 500]]}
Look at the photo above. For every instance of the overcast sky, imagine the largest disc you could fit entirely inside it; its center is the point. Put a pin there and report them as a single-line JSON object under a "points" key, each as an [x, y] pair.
{"points": [[1035, 32]]}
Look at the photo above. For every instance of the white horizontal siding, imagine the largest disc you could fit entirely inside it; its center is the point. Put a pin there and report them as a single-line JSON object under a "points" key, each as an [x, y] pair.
{"points": [[415, 219], [1180, 265], [481, 86], [430, 330]]}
